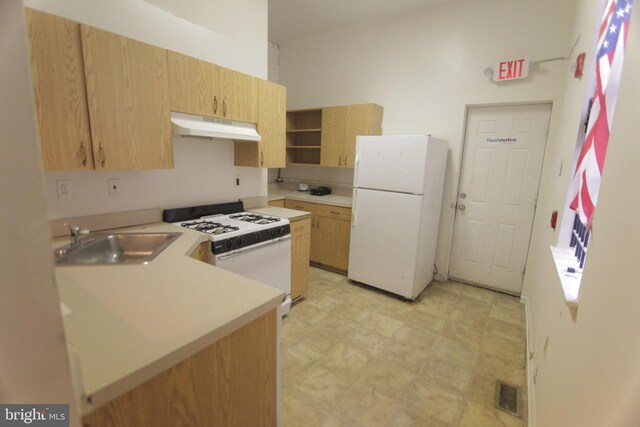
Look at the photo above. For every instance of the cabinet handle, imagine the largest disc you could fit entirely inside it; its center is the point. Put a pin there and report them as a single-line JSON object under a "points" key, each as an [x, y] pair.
{"points": [[335, 213], [224, 107], [83, 147], [340, 160], [318, 223], [215, 105], [103, 155], [345, 160], [261, 158]]}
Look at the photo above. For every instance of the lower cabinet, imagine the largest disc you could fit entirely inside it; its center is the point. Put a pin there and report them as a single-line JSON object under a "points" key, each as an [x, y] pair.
{"points": [[277, 203], [230, 383], [330, 234], [201, 252], [300, 247]]}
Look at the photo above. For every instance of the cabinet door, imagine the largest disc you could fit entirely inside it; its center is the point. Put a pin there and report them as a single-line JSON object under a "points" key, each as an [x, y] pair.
{"points": [[277, 203], [270, 151], [59, 88], [333, 246], [128, 97], [300, 248], [239, 96], [362, 119], [193, 85], [332, 139]]}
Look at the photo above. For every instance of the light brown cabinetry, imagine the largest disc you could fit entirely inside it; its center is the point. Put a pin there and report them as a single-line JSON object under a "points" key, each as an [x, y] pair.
{"points": [[60, 91], [201, 253], [300, 247], [230, 383], [277, 203], [330, 233], [128, 96], [102, 99], [269, 152], [327, 136], [202, 88]]}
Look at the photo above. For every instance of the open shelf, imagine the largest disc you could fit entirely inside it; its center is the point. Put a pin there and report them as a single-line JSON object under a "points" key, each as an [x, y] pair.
{"points": [[304, 130], [304, 133], [303, 146]]}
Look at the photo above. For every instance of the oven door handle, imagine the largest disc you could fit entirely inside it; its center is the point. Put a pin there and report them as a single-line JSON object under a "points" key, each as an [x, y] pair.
{"points": [[253, 247]]}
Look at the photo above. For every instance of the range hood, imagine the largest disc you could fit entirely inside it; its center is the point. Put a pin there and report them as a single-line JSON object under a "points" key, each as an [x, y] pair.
{"points": [[206, 127]]}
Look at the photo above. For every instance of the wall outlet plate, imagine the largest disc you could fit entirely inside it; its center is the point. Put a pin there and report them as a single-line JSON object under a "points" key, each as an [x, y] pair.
{"points": [[236, 181], [64, 189], [114, 187]]}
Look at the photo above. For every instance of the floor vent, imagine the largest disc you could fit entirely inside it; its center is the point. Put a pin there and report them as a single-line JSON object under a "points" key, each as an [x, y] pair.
{"points": [[508, 399]]}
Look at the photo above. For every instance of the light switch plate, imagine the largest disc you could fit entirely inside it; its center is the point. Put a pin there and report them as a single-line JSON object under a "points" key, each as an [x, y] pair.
{"points": [[64, 189]]}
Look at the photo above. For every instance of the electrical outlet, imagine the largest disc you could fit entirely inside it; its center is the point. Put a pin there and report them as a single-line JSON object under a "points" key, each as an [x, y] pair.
{"points": [[236, 181], [64, 189], [115, 189]]}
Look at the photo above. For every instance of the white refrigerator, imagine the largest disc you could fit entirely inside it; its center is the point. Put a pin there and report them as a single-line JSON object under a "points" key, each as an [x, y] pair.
{"points": [[397, 196]]}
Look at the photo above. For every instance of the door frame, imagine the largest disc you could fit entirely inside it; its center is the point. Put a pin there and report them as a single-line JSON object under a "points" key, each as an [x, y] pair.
{"points": [[453, 204]]}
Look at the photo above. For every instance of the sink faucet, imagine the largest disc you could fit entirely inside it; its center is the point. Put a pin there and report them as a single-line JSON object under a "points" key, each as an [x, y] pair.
{"points": [[76, 233]]}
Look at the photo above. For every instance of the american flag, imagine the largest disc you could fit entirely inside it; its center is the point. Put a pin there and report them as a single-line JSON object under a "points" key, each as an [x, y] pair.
{"points": [[612, 38]]}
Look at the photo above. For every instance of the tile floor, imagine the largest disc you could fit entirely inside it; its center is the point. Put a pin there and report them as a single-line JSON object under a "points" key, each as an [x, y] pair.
{"points": [[353, 356]]}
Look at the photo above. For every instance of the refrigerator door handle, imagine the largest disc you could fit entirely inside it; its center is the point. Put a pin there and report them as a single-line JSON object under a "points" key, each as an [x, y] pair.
{"points": [[357, 162], [354, 210]]}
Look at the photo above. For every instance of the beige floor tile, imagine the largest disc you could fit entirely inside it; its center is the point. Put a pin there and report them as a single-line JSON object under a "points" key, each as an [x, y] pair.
{"points": [[441, 373], [418, 337], [422, 320], [404, 355], [323, 387], [299, 412], [476, 415], [368, 340], [364, 406], [454, 287], [495, 367], [507, 301], [506, 330], [314, 344], [387, 380], [325, 302], [470, 333], [455, 352], [435, 308], [515, 316], [384, 325], [396, 309], [309, 314], [471, 305], [507, 349], [482, 390], [345, 360], [440, 293], [479, 294], [404, 418], [474, 318], [434, 402], [335, 326]]}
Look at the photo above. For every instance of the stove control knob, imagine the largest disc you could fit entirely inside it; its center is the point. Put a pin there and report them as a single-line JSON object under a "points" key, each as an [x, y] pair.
{"points": [[239, 241], [282, 231], [227, 244], [273, 232]]}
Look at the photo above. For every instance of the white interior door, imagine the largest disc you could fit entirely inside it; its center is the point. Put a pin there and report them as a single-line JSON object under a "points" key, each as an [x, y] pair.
{"points": [[501, 166]]}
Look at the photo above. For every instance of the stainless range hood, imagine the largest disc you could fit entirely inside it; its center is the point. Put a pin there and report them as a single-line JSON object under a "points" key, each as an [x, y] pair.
{"points": [[206, 127]]}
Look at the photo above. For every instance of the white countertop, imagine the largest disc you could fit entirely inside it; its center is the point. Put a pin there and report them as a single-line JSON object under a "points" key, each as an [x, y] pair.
{"points": [[304, 196], [129, 323]]}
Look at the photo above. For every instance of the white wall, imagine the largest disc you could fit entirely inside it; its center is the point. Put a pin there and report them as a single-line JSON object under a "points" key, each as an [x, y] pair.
{"points": [[231, 34], [588, 360], [33, 358], [425, 68]]}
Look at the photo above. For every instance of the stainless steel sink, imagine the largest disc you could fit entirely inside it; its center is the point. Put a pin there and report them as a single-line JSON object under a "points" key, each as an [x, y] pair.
{"points": [[117, 248]]}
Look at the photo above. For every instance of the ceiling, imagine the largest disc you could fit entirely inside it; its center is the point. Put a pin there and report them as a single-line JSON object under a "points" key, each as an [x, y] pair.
{"points": [[295, 19]]}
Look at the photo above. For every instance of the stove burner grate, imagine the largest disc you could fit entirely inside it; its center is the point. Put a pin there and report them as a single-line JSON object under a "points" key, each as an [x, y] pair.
{"points": [[255, 218], [209, 227]]}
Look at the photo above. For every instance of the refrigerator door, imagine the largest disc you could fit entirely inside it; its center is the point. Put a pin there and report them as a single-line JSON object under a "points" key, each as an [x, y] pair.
{"points": [[384, 240], [391, 163]]}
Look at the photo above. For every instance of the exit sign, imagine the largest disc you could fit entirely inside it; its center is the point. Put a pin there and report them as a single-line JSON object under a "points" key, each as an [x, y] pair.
{"points": [[512, 69]]}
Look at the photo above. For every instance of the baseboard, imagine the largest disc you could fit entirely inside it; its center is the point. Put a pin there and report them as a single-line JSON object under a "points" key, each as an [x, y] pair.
{"points": [[531, 397]]}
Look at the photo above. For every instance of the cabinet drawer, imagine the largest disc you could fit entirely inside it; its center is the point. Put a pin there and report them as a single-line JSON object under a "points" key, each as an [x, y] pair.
{"points": [[301, 227], [337, 212], [300, 206]]}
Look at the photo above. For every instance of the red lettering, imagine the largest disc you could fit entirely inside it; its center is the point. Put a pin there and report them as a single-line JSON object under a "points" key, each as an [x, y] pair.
{"points": [[520, 62], [511, 71], [501, 75]]}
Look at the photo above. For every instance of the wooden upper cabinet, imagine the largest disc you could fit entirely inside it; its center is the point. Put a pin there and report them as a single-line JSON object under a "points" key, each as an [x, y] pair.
{"points": [[238, 94], [194, 85], [341, 125], [333, 135], [200, 87], [271, 115], [128, 97], [59, 88]]}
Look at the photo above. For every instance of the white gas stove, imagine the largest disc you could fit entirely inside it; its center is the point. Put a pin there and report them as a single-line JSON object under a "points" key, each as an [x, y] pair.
{"points": [[252, 245]]}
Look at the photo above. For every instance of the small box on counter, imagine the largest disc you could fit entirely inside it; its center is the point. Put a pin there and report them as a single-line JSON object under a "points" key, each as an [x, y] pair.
{"points": [[320, 191]]}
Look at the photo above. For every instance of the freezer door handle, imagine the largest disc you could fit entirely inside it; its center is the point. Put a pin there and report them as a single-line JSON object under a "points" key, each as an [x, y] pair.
{"points": [[354, 210], [357, 162]]}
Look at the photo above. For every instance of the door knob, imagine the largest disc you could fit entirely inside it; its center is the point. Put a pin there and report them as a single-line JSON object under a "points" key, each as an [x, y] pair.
{"points": [[463, 195], [462, 207]]}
